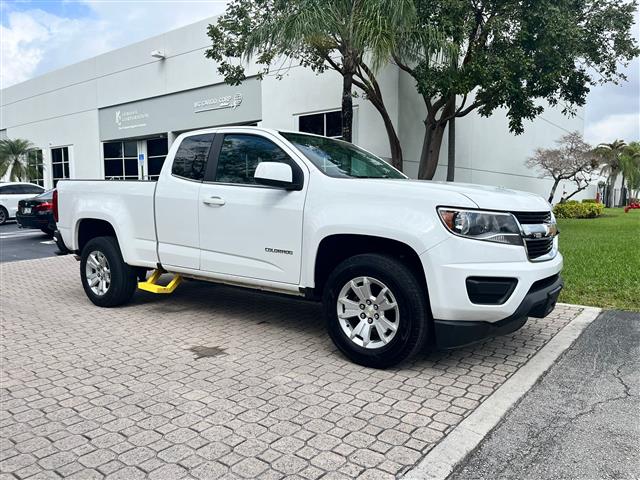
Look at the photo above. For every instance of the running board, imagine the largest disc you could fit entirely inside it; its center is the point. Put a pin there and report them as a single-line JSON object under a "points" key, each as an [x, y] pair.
{"points": [[150, 284]]}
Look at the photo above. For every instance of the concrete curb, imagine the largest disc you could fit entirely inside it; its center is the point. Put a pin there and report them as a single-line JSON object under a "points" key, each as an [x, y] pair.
{"points": [[463, 439]]}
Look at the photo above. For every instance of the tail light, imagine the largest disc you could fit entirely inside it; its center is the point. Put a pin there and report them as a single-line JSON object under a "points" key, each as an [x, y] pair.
{"points": [[43, 207], [55, 205]]}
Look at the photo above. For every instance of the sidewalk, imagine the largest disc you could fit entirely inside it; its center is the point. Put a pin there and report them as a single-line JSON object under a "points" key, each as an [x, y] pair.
{"points": [[581, 421]]}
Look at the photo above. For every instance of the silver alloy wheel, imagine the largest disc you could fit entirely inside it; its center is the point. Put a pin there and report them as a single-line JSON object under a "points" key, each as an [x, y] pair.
{"points": [[98, 273], [368, 312]]}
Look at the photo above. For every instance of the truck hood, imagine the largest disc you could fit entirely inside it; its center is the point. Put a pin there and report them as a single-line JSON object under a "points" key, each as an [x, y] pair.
{"points": [[498, 198], [484, 196]]}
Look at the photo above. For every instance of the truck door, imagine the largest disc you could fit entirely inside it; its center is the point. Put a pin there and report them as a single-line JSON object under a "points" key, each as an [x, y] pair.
{"points": [[250, 230], [176, 203]]}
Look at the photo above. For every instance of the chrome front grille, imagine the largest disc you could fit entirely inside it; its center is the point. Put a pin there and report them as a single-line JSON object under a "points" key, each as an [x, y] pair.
{"points": [[532, 218], [538, 232], [537, 247]]}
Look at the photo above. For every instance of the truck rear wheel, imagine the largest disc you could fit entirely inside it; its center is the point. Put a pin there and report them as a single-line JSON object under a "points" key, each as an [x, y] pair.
{"points": [[376, 310], [107, 280]]}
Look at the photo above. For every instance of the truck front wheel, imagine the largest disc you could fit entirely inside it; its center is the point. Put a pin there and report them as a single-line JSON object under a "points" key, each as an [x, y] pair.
{"points": [[376, 310], [107, 280]]}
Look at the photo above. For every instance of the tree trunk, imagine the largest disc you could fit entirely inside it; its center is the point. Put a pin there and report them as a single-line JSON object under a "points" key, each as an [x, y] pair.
{"points": [[451, 153], [611, 200], [553, 189], [434, 132], [394, 141], [430, 150], [623, 192], [347, 107]]}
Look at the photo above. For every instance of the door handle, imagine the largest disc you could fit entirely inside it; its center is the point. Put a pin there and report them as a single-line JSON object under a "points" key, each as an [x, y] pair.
{"points": [[214, 201]]}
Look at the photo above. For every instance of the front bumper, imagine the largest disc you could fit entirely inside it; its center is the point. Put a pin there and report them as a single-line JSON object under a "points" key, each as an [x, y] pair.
{"points": [[448, 265], [539, 301]]}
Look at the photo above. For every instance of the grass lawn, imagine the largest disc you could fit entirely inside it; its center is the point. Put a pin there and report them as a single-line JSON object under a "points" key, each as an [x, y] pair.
{"points": [[602, 260]]}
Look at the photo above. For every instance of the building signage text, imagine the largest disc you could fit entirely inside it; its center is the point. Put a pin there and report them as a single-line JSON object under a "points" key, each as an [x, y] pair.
{"points": [[215, 103], [126, 119]]}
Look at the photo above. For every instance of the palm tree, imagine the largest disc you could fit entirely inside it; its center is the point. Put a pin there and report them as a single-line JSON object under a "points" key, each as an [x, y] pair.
{"points": [[13, 159], [352, 37], [611, 153], [630, 164]]}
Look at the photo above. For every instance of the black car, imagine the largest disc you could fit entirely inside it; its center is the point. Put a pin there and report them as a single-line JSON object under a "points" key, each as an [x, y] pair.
{"points": [[37, 212]]}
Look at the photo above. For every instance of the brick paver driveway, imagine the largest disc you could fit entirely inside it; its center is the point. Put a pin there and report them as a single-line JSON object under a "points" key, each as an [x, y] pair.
{"points": [[217, 382]]}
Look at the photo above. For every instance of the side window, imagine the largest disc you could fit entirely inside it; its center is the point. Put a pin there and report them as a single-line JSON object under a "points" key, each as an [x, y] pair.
{"points": [[241, 154], [10, 190], [191, 158], [31, 189]]}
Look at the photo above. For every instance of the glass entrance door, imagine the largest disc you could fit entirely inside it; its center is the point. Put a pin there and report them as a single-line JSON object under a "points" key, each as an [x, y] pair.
{"points": [[157, 149]]}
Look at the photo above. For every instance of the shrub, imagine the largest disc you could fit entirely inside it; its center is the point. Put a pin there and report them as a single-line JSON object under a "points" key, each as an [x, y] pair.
{"points": [[575, 209], [589, 200]]}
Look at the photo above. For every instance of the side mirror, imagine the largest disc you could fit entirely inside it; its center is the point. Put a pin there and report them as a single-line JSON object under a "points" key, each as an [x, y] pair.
{"points": [[275, 174]]}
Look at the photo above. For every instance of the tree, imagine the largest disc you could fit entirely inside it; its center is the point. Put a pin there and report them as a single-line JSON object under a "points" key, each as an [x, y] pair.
{"points": [[610, 154], [515, 55], [352, 37], [630, 163], [13, 159], [573, 160]]}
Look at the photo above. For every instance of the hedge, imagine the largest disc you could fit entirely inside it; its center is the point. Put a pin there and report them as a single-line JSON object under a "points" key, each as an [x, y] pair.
{"points": [[573, 209]]}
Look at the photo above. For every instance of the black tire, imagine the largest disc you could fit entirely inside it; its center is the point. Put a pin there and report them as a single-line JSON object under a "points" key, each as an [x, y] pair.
{"points": [[411, 299], [4, 215], [124, 280], [47, 231]]}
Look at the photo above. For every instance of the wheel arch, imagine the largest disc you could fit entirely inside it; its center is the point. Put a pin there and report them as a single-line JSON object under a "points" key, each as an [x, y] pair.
{"points": [[89, 228], [334, 249]]}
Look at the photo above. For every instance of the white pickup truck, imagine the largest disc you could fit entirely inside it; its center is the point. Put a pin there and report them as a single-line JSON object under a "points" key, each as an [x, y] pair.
{"points": [[398, 264]]}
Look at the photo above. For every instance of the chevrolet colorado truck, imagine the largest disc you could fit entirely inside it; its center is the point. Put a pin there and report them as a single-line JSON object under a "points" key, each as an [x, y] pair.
{"points": [[398, 264]]}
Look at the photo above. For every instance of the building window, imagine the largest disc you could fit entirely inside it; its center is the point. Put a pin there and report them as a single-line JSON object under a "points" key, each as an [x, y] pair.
{"points": [[156, 154], [59, 163], [36, 167], [328, 124], [192, 155], [120, 160], [241, 154]]}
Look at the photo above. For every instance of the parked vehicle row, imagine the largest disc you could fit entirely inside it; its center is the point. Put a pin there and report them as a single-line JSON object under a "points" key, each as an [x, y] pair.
{"points": [[398, 264], [11, 193]]}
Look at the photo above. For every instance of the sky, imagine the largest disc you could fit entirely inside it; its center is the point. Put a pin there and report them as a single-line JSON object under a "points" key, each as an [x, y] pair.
{"points": [[37, 36]]}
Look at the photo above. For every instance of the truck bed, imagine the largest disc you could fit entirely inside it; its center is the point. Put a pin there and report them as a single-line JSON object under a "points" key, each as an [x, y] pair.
{"points": [[127, 205]]}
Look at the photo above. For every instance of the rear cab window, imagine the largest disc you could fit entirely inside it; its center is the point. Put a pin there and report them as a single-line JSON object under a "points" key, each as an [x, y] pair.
{"points": [[190, 161]]}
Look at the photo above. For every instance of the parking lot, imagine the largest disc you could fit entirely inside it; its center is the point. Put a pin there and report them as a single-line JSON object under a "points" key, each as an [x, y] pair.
{"points": [[217, 382], [23, 244]]}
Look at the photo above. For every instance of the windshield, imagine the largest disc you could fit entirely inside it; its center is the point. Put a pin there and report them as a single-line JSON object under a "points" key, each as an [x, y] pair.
{"points": [[337, 158]]}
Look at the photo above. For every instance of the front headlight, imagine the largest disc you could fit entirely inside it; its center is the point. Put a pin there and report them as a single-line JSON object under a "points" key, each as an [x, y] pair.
{"points": [[488, 226]]}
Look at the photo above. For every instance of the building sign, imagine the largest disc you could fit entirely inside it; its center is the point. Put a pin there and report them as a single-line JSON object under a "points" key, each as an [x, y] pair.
{"points": [[187, 110], [127, 119], [228, 101]]}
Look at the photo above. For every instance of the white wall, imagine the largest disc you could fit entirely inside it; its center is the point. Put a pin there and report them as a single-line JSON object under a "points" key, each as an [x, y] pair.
{"points": [[79, 131]]}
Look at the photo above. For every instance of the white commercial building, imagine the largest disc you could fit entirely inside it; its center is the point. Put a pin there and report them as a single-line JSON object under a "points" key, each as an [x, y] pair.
{"points": [[114, 115]]}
